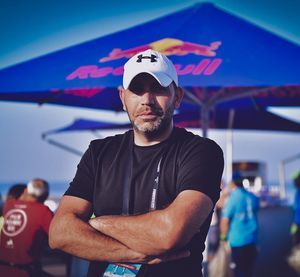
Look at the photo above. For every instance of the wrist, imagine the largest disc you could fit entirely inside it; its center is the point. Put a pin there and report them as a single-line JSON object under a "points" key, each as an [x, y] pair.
{"points": [[293, 229], [223, 237]]}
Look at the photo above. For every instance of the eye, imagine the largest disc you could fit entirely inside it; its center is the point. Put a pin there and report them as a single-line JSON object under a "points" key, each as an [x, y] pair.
{"points": [[157, 88], [136, 88]]}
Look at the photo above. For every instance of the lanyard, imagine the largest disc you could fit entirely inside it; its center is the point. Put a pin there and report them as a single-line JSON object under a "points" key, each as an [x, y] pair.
{"points": [[155, 187], [128, 179]]}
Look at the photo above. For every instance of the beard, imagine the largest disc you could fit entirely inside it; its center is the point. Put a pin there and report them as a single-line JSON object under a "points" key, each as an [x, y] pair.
{"points": [[156, 127]]}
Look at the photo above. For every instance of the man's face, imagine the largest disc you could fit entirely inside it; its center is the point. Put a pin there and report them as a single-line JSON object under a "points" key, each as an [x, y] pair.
{"points": [[150, 106]]}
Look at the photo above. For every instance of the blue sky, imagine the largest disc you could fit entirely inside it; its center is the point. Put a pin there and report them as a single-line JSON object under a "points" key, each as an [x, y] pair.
{"points": [[33, 28]]}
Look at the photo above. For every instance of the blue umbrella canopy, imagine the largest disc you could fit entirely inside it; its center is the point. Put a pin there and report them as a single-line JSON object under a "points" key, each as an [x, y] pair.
{"points": [[82, 124], [223, 63], [262, 120], [244, 119], [222, 60]]}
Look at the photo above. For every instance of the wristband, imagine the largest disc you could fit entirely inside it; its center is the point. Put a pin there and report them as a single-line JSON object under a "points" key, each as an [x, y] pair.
{"points": [[223, 237], [293, 229]]}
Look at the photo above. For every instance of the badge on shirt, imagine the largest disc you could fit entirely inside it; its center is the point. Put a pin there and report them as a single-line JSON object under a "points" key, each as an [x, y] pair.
{"points": [[125, 270]]}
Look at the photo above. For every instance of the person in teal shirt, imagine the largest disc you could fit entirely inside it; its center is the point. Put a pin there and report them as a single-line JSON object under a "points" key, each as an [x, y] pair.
{"points": [[295, 228], [240, 227]]}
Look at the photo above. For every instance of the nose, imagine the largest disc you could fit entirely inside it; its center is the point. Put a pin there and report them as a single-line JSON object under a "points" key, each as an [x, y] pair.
{"points": [[148, 98]]}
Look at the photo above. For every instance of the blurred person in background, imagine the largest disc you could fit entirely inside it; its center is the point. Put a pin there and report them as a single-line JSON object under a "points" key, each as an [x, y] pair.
{"points": [[1, 204], [14, 192], [25, 231], [214, 229], [239, 226], [295, 228]]}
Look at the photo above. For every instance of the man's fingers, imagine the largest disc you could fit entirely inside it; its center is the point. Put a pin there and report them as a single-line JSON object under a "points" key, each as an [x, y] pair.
{"points": [[155, 261], [170, 257], [95, 223]]}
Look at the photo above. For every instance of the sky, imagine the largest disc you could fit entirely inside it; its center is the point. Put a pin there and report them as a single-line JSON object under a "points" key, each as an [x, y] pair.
{"points": [[31, 28]]}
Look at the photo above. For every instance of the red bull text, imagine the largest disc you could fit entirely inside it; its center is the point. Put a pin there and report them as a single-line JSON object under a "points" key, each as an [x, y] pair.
{"points": [[168, 46]]}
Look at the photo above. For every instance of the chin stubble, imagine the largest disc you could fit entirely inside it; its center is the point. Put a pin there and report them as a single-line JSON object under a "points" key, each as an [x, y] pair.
{"points": [[155, 128]]}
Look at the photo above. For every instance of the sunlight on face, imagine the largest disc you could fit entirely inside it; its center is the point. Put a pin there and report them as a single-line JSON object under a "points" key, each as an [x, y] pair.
{"points": [[149, 106]]}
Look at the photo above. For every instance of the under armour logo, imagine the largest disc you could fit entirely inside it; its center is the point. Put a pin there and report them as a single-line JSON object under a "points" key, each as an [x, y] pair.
{"points": [[153, 58]]}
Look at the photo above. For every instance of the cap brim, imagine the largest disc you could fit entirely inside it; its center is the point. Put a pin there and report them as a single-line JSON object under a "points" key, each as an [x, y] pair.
{"points": [[163, 79]]}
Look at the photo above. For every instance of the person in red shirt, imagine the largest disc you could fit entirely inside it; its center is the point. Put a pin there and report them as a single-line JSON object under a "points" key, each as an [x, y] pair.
{"points": [[25, 230]]}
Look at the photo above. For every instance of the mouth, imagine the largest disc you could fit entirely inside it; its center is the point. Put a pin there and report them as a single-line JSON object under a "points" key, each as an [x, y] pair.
{"points": [[148, 115]]}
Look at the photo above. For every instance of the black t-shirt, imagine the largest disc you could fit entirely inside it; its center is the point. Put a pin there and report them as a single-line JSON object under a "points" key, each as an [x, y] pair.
{"points": [[189, 162]]}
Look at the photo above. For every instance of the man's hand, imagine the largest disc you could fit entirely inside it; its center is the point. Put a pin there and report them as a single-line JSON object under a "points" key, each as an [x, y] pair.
{"points": [[144, 259], [226, 246], [169, 257], [69, 226]]}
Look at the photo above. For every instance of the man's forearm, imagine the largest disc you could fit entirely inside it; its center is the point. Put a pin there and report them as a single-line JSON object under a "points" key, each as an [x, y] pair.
{"points": [[160, 231], [128, 230], [70, 232], [76, 237]]}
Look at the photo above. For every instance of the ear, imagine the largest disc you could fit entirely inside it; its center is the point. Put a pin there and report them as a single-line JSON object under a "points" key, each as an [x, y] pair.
{"points": [[122, 97], [178, 96]]}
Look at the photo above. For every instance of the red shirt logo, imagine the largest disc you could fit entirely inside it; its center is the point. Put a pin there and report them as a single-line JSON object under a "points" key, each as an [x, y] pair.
{"points": [[14, 222]]}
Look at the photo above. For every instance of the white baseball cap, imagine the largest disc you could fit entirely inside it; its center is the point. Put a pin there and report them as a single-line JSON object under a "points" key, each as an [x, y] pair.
{"points": [[153, 63]]}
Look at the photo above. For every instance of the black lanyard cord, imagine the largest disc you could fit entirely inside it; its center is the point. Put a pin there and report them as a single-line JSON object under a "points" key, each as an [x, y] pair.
{"points": [[128, 179], [155, 187]]}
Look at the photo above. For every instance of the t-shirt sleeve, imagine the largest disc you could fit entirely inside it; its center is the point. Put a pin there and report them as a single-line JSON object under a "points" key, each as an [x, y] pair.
{"points": [[228, 210], [82, 185], [201, 168]]}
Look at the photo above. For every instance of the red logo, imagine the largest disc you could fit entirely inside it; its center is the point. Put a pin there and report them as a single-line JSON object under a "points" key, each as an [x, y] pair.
{"points": [[14, 222], [167, 46]]}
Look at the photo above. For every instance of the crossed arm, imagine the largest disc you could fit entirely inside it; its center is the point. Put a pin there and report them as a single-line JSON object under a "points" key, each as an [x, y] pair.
{"points": [[148, 238], [70, 232]]}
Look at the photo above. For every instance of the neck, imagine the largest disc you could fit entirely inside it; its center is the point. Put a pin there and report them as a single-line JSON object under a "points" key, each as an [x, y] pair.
{"points": [[27, 197], [142, 139]]}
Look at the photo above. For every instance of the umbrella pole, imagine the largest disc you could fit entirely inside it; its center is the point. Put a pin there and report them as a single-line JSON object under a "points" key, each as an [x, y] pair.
{"points": [[229, 146], [204, 121], [282, 184], [282, 193], [64, 147]]}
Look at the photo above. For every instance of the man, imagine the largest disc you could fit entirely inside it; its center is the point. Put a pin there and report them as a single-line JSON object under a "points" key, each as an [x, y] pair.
{"points": [[295, 228], [151, 189], [25, 230], [239, 225]]}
